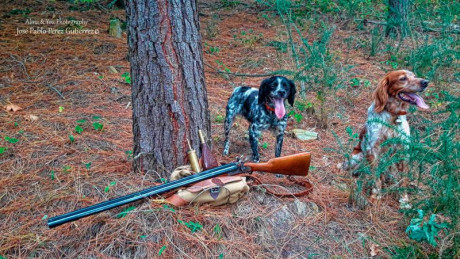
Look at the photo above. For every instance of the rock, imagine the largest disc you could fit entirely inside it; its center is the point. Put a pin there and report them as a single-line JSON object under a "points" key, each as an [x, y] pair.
{"points": [[304, 209], [305, 134], [314, 209], [301, 207], [282, 219], [261, 197], [287, 214]]}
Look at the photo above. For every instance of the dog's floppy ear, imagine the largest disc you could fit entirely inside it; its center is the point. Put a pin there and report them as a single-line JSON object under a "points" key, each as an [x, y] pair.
{"points": [[264, 89], [381, 94], [292, 92]]}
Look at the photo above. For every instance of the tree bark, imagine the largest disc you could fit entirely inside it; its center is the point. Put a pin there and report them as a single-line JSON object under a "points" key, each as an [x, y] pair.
{"points": [[397, 21], [168, 88]]}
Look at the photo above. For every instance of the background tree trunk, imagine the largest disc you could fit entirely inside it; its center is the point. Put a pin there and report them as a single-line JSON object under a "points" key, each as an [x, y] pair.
{"points": [[168, 89], [397, 21]]}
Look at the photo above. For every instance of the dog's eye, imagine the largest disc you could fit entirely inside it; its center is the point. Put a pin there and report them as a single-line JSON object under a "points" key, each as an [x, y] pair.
{"points": [[403, 79]]}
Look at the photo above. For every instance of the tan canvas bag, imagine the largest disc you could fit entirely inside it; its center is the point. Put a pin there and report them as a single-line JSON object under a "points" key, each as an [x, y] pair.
{"points": [[215, 191]]}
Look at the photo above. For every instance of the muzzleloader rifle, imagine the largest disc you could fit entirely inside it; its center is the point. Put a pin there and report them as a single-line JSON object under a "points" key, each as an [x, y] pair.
{"points": [[297, 164]]}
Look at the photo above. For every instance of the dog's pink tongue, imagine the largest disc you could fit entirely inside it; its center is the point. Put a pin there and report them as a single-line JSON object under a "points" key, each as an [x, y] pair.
{"points": [[279, 108], [419, 101]]}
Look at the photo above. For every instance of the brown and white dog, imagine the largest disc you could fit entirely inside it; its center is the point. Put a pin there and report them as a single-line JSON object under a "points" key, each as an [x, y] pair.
{"points": [[386, 119]]}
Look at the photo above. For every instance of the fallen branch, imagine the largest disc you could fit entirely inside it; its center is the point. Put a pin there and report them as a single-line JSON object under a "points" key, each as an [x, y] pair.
{"points": [[365, 21], [452, 28], [217, 71], [56, 90], [16, 59]]}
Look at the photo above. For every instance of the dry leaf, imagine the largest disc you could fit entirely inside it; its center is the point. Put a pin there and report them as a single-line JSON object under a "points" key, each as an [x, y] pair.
{"points": [[374, 249], [31, 117], [305, 134], [113, 70], [12, 107]]}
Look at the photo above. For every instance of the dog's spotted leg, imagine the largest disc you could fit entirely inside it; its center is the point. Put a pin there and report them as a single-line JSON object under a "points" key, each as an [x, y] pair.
{"points": [[279, 144], [377, 189], [254, 133], [403, 180], [357, 197], [279, 137], [230, 115], [373, 159]]}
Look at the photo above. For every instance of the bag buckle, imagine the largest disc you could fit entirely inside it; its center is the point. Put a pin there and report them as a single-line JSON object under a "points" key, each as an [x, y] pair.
{"points": [[214, 191]]}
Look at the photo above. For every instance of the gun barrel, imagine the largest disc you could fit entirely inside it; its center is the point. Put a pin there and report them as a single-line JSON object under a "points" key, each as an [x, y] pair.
{"points": [[110, 204]]}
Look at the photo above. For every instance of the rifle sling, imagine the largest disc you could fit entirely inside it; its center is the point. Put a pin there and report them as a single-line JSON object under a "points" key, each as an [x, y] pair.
{"points": [[305, 183], [177, 201]]}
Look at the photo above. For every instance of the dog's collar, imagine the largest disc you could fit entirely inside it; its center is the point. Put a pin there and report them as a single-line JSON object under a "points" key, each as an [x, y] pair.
{"points": [[396, 118], [398, 113], [392, 110], [269, 108]]}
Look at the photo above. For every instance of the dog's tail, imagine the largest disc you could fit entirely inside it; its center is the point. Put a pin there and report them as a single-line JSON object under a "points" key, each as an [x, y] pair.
{"points": [[356, 156], [352, 162]]}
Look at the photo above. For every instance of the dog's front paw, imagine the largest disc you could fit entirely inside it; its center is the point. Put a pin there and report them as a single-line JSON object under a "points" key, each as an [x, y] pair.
{"points": [[361, 202], [358, 199], [404, 202], [375, 198], [356, 173], [340, 166]]}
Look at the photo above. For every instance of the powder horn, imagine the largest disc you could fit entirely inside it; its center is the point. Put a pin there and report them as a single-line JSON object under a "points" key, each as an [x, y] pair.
{"points": [[209, 161]]}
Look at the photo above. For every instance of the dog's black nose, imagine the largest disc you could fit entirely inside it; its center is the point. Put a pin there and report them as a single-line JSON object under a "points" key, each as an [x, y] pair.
{"points": [[424, 83], [281, 93]]}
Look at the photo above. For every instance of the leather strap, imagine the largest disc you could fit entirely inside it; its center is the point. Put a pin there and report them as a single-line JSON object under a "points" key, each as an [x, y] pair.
{"points": [[269, 108], [305, 183], [177, 201], [399, 113]]}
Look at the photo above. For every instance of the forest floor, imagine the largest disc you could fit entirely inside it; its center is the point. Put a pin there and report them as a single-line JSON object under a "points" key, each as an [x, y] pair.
{"points": [[64, 81]]}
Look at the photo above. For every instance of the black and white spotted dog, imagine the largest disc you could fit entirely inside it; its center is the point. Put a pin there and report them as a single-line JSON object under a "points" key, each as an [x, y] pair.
{"points": [[263, 108]]}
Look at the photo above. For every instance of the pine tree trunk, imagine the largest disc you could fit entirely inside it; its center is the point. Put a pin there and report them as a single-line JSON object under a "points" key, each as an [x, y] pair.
{"points": [[168, 88], [397, 21]]}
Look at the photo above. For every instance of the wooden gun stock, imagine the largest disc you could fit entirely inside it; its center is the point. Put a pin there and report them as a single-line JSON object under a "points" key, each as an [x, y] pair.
{"points": [[297, 164]]}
